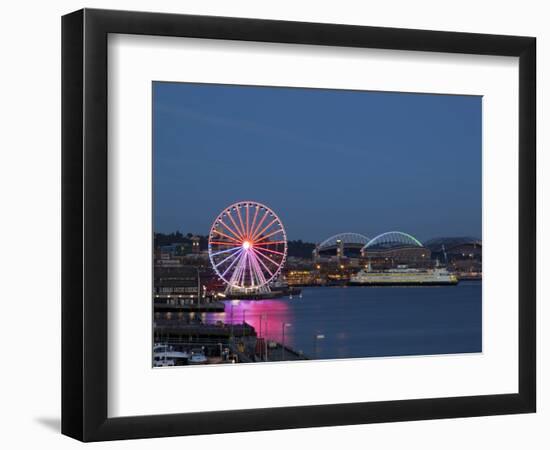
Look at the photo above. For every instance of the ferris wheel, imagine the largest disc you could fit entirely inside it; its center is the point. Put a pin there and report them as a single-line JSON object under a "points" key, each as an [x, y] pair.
{"points": [[247, 247]]}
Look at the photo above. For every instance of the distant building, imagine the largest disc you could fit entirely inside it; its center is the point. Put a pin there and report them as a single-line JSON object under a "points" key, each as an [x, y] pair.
{"points": [[171, 250], [195, 244], [300, 277], [461, 254], [390, 257], [168, 262], [176, 282]]}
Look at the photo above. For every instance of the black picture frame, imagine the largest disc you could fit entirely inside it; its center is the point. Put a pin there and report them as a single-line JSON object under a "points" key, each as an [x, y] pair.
{"points": [[84, 224]]}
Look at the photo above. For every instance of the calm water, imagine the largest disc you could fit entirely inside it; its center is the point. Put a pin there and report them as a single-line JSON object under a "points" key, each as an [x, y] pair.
{"points": [[368, 321]]}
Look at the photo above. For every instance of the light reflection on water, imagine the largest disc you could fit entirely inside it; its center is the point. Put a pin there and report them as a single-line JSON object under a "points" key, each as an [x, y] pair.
{"points": [[360, 322], [266, 316]]}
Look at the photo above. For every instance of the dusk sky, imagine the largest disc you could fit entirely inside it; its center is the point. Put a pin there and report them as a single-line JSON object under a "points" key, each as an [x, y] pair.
{"points": [[326, 161]]}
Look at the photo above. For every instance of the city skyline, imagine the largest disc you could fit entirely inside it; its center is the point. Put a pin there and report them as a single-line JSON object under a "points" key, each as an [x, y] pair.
{"points": [[326, 161]]}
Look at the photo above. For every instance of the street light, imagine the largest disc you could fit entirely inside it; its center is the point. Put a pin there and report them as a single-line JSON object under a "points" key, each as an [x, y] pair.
{"points": [[198, 290], [264, 317], [316, 338], [284, 326], [231, 320]]}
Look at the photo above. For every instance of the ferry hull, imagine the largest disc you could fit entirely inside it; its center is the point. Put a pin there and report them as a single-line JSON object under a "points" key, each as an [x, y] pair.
{"points": [[404, 277], [402, 283]]}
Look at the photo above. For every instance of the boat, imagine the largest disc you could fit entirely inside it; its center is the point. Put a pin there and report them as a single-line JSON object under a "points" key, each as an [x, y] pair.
{"points": [[170, 358], [163, 361], [162, 348], [164, 355], [197, 356], [404, 276]]}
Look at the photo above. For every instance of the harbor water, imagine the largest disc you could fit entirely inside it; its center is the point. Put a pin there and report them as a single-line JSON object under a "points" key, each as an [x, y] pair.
{"points": [[355, 322]]}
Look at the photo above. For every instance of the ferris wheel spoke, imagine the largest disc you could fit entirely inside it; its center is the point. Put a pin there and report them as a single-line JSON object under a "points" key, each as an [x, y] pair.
{"points": [[239, 266], [245, 264], [237, 229], [233, 255], [258, 260], [240, 269], [243, 270], [258, 271], [232, 281], [231, 230], [225, 243], [258, 244], [226, 236], [237, 272], [247, 221], [261, 272], [270, 251], [232, 263], [276, 264], [253, 234], [226, 251], [255, 278], [253, 221], [251, 271], [234, 273], [273, 233], [264, 229], [241, 222]]}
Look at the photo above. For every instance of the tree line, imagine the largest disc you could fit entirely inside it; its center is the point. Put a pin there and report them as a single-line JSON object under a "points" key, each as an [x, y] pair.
{"points": [[296, 248]]}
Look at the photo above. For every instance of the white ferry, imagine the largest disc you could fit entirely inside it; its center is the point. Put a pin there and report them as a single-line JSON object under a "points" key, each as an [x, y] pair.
{"points": [[404, 276]]}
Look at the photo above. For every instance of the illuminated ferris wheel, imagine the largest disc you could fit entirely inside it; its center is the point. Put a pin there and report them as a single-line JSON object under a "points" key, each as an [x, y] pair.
{"points": [[247, 247]]}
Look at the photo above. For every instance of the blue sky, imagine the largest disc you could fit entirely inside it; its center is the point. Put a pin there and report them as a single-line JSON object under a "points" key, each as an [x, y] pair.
{"points": [[326, 161]]}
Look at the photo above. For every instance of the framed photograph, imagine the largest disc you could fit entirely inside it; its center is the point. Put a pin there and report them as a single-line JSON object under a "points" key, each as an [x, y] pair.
{"points": [[273, 224]]}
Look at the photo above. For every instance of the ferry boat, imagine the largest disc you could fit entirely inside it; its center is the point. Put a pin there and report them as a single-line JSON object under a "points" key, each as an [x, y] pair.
{"points": [[404, 276]]}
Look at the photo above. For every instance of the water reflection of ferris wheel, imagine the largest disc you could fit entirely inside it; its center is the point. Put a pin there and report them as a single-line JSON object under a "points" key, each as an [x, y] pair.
{"points": [[247, 247]]}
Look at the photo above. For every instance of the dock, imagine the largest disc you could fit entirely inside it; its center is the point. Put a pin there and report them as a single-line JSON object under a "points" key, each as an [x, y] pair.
{"points": [[176, 329], [203, 307], [264, 295]]}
